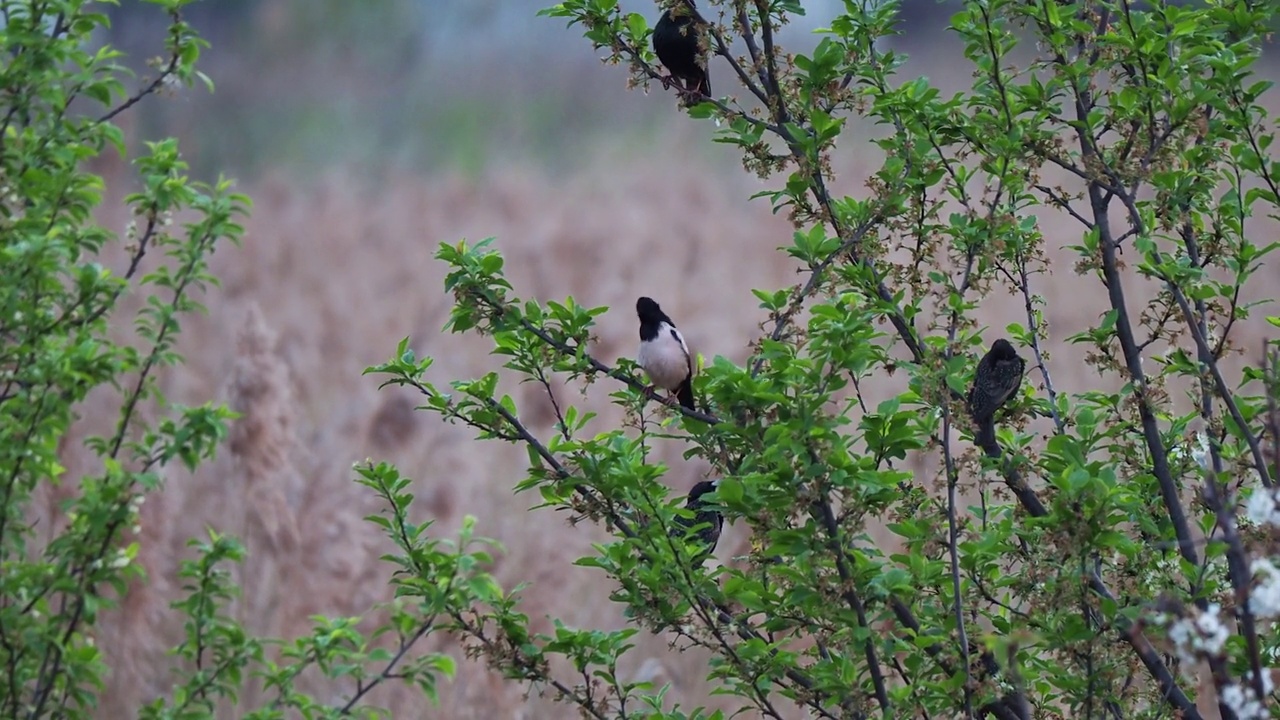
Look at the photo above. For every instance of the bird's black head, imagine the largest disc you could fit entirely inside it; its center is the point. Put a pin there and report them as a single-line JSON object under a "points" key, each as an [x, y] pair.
{"points": [[1002, 350], [649, 311], [702, 488]]}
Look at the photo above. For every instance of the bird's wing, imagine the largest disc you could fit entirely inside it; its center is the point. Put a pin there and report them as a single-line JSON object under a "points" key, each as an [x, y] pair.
{"points": [[1006, 393], [683, 346], [1017, 372]]}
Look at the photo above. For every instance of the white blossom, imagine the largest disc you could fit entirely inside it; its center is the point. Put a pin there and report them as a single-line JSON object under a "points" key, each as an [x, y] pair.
{"points": [[1211, 628], [1267, 683], [1200, 453], [1242, 700], [1264, 599], [1261, 508], [1204, 634]]}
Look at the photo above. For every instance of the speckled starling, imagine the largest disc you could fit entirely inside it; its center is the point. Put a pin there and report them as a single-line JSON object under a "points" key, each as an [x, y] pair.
{"points": [[663, 353], [706, 523], [677, 40], [997, 379]]}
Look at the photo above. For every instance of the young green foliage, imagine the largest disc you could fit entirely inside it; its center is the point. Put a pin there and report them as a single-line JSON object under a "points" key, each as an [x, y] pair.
{"points": [[59, 338], [68, 328]]}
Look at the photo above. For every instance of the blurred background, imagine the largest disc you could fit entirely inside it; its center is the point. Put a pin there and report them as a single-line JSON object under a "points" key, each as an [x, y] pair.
{"points": [[424, 86], [367, 133]]}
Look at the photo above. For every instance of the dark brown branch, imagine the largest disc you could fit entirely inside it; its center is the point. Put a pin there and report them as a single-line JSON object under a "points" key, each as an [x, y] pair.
{"points": [[749, 37], [550, 459], [1241, 577], [1125, 335], [722, 49], [837, 547], [363, 688], [1202, 347]]}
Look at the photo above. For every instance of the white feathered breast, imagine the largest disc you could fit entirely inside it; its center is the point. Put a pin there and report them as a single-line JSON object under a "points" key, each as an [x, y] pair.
{"points": [[665, 358]]}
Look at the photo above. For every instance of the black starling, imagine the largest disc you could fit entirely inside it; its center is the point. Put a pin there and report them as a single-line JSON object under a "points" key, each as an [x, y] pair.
{"points": [[677, 41], [663, 353], [706, 522], [997, 379]]}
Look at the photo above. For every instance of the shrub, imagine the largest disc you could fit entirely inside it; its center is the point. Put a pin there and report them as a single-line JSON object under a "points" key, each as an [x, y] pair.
{"points": [[64, 281], [1047, 592]]}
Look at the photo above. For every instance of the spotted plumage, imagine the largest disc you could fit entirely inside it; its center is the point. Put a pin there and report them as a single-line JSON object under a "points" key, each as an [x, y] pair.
{"points": [[997, 379]]}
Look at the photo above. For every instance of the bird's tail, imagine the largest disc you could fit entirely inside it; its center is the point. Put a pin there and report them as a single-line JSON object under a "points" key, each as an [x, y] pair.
{"points": [[696, 88], [701, 87], [985, 437], [684, 394]]}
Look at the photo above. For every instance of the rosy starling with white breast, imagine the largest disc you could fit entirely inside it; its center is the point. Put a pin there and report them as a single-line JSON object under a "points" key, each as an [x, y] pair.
{"points": [[706, 523], [677, 41], [997, 379], [663, 353]]}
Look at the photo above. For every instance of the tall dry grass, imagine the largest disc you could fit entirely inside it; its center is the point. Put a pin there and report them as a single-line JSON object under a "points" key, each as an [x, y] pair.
{"points": [[333, 274]]}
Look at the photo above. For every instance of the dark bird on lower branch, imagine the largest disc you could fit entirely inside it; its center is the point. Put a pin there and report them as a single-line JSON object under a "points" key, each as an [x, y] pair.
{"points": [[663, 353], [706, 523], [997, 379], [677, 41]]}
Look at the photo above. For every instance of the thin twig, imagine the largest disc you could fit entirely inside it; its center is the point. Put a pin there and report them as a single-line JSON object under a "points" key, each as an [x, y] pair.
{"points": [[169, 69], [816, 275], [953, 550], [541, 376], [1024, 285]]}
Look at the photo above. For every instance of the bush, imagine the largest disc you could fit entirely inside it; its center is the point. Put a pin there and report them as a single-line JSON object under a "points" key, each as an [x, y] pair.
{"points": [[1120, 533], [61, 299]]}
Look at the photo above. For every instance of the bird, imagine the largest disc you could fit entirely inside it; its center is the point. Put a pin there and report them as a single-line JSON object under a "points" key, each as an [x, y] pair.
{"points": [[997, 379], [663, 354], [706, 523], [677, 41]]}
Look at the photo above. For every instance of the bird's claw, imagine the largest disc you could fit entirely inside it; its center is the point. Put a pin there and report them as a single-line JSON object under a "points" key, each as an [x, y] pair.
{"points": [[690, 95], [650, 392]]}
